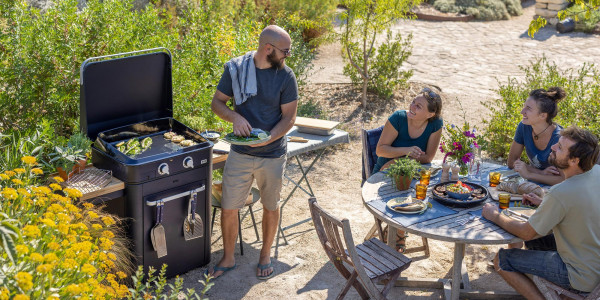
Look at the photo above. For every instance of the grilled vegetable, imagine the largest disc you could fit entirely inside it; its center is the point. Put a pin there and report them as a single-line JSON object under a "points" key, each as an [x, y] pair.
{"points": [[146, 143]]}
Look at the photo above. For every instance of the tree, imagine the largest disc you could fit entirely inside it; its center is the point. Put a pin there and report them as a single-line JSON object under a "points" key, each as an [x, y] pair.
{"points": [[363, 21], [585, 12]]}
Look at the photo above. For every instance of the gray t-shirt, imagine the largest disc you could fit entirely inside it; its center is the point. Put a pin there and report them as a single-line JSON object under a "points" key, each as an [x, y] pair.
{"points": [[274, 88], [571, 209]]}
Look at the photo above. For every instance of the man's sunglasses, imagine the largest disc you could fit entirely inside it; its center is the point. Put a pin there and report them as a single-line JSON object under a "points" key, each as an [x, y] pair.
{"points": [[286, 52], [431, 94]]}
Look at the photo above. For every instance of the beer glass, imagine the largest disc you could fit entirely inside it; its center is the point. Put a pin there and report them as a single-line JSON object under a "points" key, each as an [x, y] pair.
{"points": [[421, 191], [503, 200]]}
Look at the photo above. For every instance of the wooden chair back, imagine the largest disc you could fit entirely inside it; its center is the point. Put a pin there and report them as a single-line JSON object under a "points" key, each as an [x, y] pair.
{"points": [[370, 138], [373, 253], [328, 229]]}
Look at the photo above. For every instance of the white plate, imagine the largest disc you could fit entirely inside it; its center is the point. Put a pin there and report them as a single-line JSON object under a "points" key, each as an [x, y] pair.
{"points": [[400, 200], [246, 143]]}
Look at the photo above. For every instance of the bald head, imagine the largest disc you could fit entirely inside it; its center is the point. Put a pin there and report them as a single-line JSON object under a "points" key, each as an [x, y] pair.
{"points": [[273, 34]]}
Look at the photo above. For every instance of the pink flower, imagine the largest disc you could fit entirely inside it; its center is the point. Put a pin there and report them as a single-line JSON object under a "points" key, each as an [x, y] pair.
{"points": [[457, 146]]}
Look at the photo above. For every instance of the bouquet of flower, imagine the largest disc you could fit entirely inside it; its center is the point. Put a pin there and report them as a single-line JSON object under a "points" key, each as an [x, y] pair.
{"points": [[460, 144]]}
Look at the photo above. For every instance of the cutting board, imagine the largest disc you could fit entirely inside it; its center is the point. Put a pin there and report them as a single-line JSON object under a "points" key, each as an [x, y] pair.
{"points": [[315, 126]]}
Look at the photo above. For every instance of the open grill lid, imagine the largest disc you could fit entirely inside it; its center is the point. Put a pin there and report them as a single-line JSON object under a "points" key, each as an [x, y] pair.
{"points": [[126, 88]]}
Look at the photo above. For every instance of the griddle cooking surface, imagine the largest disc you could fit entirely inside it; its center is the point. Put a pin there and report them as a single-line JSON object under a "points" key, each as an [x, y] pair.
{"points": [[160, 145]]}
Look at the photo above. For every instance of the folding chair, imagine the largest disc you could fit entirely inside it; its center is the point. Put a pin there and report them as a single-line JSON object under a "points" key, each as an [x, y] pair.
{"points": [[552, 291], [369, 262], [216, 203], [370, 138]]}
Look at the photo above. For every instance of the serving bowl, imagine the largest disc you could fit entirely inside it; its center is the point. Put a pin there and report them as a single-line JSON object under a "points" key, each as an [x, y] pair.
{"points": [[212, 136]]}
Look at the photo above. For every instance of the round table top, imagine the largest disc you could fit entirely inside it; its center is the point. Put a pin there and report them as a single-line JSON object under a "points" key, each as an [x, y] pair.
{"points": [[440, 222]]}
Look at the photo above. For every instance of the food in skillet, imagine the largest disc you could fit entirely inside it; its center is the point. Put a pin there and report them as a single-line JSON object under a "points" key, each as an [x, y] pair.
{"points": [[459, 188]]}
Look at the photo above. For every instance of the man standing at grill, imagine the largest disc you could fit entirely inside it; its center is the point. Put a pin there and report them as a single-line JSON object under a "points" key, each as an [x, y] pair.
{"points": [[570, 257], [265, 95]]}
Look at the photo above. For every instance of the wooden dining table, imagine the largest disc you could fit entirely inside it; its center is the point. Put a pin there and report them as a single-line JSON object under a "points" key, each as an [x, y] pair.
{"points": [[461, 226]]}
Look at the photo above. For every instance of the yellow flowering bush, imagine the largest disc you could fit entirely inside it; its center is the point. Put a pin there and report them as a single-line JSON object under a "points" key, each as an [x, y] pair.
{"points": [[61, 248]]}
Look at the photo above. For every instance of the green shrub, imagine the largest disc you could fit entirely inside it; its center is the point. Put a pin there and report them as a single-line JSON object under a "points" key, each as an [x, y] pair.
{"points": [[580, 107], [384, 73], [41, 53], [481, 9], [582, 23]]}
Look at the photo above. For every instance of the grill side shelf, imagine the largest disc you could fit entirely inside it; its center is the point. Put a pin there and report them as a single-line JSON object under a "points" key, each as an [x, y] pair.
{"points": [[177, 196]]}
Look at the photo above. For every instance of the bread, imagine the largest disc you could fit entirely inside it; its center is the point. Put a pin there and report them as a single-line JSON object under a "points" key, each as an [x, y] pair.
{"points": [[169, 135], [530, 187], [520, 189], [508, 186], [177, 139]]}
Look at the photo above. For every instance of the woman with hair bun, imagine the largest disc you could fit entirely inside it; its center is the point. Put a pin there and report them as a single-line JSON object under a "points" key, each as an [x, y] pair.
{"points": [[536, 133]]}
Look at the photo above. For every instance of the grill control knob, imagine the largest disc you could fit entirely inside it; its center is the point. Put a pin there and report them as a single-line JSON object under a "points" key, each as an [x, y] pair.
{"points": [[188, 162], [163, 169]]}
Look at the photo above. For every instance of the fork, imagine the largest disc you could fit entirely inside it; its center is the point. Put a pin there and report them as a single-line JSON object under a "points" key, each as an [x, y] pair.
{"points": [[466, 220]]}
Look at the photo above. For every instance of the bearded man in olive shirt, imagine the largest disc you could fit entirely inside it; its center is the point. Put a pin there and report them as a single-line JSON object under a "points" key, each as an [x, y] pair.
{"points": [[571, 256]]}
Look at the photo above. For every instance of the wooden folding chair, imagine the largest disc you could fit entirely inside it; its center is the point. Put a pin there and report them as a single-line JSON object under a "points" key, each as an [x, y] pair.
{"points": [[370, 138], [370, 262], [552, 291]]}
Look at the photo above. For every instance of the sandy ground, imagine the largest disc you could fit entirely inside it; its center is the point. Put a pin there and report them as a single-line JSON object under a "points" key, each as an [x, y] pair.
{"points": [[302, 268]]}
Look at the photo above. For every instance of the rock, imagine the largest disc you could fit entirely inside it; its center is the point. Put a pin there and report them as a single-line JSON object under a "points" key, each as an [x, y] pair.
{"points": [[545, 12], [552, 21], [552, 6], [541, 5], [556, 1]]}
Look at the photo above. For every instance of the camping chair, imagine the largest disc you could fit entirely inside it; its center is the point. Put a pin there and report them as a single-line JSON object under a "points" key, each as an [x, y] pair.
{"points": [[370, 138], [369, 262], [552, 291]]}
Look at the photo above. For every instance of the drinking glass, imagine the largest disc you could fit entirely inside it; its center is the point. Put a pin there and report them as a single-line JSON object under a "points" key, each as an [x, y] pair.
{"points": [[425, 176], [421, 191], [475, 168], [495, 178], [503, 200]]}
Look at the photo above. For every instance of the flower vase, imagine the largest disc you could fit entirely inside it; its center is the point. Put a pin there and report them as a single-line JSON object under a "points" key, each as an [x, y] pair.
{"points": [[463, 170]]}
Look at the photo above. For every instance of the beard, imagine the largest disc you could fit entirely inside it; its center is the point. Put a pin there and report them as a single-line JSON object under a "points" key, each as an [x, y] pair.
{"points": [[560, 164], [272, 59]]}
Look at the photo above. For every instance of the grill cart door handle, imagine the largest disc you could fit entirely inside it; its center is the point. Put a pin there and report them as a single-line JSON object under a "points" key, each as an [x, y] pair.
{"points": [[177, 196]]}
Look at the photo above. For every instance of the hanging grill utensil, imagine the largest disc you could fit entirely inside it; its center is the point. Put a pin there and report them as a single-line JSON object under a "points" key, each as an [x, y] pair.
{"points": [[157, 234], [192, 224]]}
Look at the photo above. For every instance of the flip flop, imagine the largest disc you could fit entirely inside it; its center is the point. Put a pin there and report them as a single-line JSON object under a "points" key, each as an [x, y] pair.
{"points": [[264, 267], [222, 269]]}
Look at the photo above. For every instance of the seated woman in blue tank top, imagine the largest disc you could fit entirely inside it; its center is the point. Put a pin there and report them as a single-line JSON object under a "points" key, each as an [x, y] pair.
{"points": [[536, 133], [415, 132]]}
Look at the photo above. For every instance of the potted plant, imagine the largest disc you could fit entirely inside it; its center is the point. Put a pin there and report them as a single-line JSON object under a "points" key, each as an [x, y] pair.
{"points": [[402, 171], [71, 158]]}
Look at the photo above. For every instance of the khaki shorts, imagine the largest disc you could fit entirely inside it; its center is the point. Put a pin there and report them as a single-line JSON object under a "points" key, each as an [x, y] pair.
{"points": [[241, 169]]}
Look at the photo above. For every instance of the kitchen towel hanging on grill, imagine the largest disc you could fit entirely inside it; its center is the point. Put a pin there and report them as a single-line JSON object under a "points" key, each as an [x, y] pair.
{"points": [[243, 77]]}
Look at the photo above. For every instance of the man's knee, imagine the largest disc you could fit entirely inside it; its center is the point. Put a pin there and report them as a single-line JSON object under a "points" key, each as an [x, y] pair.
{"points": [[497, 262]]}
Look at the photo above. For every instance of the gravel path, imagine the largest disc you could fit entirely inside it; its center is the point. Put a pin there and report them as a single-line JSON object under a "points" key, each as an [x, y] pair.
{"points": [[469, 57]]}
